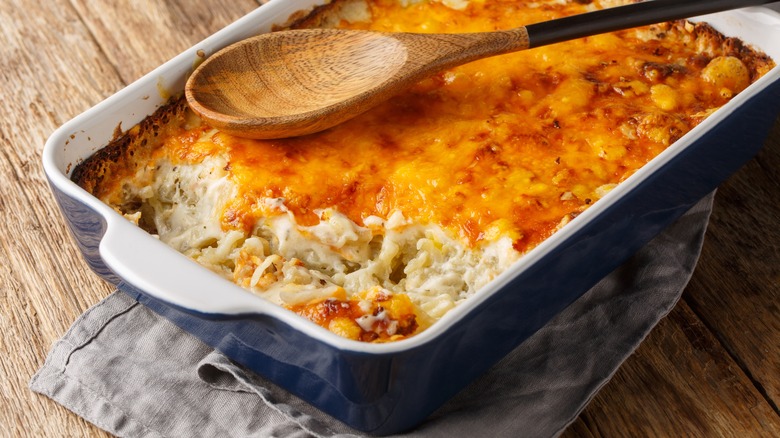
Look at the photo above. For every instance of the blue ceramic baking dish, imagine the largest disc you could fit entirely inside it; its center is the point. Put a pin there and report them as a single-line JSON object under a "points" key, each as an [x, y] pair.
{"points": [[387, 388]]}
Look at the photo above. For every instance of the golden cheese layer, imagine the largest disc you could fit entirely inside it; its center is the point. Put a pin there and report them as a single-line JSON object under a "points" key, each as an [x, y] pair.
{"points": [[377, 227], [510, 145]]}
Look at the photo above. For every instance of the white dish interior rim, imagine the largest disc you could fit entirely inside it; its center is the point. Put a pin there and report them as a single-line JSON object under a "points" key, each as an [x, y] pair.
{"points": [[150, 272]]}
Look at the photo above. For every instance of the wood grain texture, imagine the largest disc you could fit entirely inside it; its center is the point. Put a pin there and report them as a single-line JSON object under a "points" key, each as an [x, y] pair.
{"points": [[136, 37], [710, 368], [737, 290], [43, 281], [680, 382], [56, 65], [297, 91]]}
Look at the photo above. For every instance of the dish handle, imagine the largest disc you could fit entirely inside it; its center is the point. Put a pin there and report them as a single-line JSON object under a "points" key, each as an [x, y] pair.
{"points": [[151, 267]]}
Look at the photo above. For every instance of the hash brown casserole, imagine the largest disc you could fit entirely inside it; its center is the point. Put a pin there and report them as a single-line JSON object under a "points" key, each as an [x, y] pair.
{"points": [[376, 228]]}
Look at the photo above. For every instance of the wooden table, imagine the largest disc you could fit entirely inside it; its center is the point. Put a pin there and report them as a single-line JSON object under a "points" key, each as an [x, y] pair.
{"points": [[712, 367]]}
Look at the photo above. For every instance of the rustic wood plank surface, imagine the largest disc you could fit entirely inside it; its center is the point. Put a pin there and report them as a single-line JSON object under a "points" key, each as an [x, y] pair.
{"points": [[711, 368]]}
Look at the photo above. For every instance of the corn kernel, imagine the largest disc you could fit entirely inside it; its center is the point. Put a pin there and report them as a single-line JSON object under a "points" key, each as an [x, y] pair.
{"points": [[664, 97], [727, 72], [399, 306], [345, 327]]}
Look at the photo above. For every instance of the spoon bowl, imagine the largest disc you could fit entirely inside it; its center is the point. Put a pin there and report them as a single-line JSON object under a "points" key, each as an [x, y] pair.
{"points": [[298, 82]]}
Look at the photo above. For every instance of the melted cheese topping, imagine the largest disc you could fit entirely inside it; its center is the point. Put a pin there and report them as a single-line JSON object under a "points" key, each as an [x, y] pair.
{"points": [[510, 145], [377, 227]]}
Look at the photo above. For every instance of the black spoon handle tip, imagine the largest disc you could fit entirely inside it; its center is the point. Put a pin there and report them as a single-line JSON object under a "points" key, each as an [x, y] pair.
{"points": [[627, 16]]}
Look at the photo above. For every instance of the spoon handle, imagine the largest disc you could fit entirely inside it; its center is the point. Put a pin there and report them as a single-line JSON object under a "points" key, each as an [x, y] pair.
{"points": [[627, 16]]}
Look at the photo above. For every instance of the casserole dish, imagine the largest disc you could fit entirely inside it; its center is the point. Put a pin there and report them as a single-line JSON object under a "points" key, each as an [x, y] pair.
{"points": [[386, 388]]}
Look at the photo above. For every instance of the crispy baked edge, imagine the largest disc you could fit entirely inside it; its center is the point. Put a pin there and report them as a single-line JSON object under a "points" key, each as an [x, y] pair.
{"points": [[125, 153], [714, 43]]}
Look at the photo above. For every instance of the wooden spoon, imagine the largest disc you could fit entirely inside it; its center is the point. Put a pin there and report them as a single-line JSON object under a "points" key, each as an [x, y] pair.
{"points": [[296, 82]]}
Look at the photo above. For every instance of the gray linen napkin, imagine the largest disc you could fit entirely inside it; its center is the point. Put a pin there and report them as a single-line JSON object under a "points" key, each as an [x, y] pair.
{"points": [[134, 374]]}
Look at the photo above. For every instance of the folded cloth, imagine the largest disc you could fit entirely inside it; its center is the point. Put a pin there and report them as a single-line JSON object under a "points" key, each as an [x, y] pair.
{"points": [[134, 374]]}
